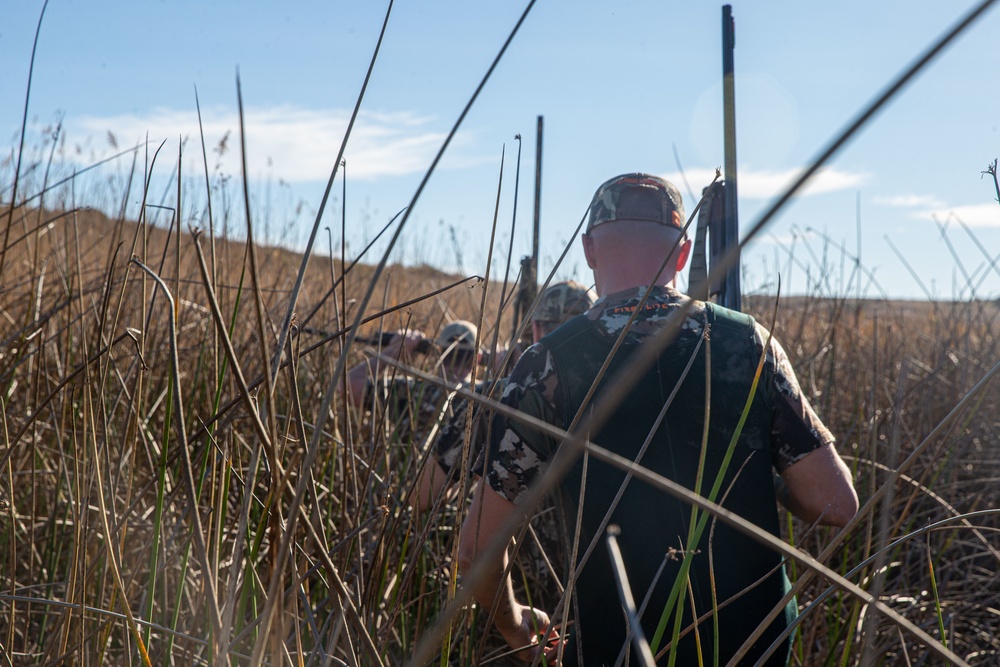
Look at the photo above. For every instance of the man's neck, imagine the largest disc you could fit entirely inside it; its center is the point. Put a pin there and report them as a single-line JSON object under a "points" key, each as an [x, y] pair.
{"points": [[612, 286]]}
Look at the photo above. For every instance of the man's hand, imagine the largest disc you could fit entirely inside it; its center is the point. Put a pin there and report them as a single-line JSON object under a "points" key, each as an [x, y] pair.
{"points": [[528, 629], [359, 376], [523, 627], [411, 341]]}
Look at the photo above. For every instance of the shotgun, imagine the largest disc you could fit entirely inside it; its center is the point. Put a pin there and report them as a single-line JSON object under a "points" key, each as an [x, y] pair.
{"points": [[718, 220]]}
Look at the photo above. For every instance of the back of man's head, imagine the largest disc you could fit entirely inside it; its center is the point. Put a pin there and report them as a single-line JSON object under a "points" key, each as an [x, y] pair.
{"points": [[560, 302], [635, 220]]}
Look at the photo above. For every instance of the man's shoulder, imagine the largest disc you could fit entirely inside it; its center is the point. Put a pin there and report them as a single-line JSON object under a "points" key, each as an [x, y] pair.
{"points": [[565, 333], [534, 373], [533, 365]]}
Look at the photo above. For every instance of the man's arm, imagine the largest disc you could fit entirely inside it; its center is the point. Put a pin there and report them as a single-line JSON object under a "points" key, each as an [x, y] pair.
{"points": [[359, 375], [816, 482], [429, 484], [519, 624], [445, 454], [818, 486]]}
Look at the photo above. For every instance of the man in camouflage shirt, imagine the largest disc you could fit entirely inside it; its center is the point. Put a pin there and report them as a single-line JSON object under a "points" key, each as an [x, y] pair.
{"points": [[410, 409], [682, 421], [557, 304]]}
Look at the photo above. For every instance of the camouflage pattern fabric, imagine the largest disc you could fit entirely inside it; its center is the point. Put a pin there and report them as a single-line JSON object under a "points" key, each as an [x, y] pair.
{"points": [[558, 303], [448, 446], [608, 203], [519, 455]]}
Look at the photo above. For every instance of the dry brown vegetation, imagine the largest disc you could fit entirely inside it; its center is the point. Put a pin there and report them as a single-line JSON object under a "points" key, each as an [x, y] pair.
{"points": [[106, 561], [886, 378]]}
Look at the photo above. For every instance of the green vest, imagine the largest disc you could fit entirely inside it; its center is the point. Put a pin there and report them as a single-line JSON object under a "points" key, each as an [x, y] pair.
{"points": [[653, 522]]}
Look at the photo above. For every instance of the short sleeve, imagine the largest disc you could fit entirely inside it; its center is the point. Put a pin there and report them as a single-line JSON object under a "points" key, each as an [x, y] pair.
{"points": [[516, 454], [796, 429], [451, 438]]}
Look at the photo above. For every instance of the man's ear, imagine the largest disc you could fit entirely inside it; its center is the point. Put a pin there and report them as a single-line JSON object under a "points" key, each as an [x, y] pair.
{"points": [[683, 253], [588, 248], [684, 250]]}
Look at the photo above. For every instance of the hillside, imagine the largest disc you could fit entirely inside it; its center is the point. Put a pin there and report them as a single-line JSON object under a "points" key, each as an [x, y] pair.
{"points": [[155, 506]]}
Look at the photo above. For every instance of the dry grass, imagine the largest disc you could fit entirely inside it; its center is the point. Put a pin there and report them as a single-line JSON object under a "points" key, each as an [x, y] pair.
{"points": [[885, 375], [77, 432], [98, 510]]}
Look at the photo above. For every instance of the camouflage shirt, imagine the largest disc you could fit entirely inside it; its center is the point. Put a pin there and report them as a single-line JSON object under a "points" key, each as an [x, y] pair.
{"points": [[448, 446], [518, 455]]}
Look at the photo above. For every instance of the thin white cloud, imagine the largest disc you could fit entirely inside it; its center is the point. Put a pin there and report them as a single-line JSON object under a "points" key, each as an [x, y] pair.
{"points": [[291, 143], [770, 183], [974, 215], [910, 201]]}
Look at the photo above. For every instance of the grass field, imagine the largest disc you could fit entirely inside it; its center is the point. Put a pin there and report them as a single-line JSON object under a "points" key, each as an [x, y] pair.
{"points": [[156, 506]]}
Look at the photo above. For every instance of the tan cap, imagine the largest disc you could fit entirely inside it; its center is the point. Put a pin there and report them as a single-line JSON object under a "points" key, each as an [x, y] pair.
{"points": [[458, 335]]}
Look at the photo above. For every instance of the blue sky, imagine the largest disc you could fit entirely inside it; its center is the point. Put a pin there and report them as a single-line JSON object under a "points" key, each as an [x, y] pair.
{"points": [[621, 85]]}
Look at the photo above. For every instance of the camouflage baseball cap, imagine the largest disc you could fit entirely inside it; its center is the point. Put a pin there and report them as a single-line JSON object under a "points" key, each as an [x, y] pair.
{"points": [[636, 197], [562, 301], [458, 335]]}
